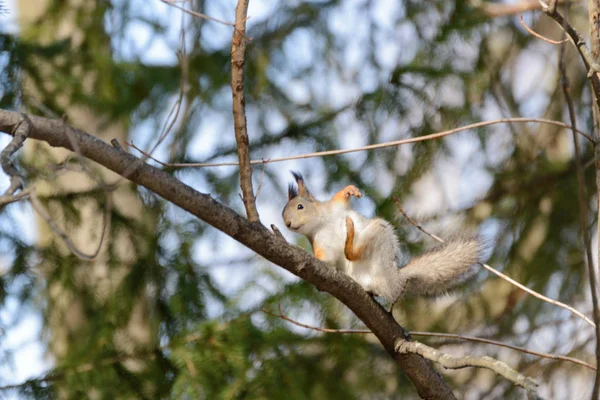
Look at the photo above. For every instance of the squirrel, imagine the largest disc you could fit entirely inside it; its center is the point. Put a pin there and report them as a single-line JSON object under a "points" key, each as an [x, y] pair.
{"points": [[368, 250]]}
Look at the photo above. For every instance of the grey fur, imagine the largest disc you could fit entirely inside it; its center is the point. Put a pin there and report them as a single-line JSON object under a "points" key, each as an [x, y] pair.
{"points": [[439, 269]]}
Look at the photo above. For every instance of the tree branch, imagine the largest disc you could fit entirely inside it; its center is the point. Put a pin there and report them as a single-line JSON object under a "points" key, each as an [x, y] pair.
{"points": [[238, 48], [427, 381], [376, 146], [434, 334], [583, 208], [451, 362], [590, 65], [21, 131]]}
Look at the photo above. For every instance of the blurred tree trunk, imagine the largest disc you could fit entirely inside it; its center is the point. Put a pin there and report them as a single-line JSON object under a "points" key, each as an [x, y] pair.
{"points": [[74, 286]]}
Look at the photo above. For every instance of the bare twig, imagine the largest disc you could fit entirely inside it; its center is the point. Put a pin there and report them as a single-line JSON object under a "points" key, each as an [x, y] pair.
{"points": [[314, 328], [435, 334], [173, 114], [537, 35], [196, 14], [16, 180], [508, 346], [590, 64], [7, 199], [262, 175], [238, 48], [41, 210], [583, 208], [20, 134], [374, 146], [277, 232], [501, 275], [451, 362], [538, 295], [493, 10]]}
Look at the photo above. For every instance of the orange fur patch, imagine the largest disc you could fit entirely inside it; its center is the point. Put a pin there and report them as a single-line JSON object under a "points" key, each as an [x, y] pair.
{"points": [[351, 252], [319, 252]]}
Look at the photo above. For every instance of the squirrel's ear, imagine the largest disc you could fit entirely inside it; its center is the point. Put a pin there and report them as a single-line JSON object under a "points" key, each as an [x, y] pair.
{"points": [[292, 191], [302, 189]]}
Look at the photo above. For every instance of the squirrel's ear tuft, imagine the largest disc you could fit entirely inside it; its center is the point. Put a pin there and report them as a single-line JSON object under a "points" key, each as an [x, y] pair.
{"points": [[292, 191], [302, 189], [297, 176]]}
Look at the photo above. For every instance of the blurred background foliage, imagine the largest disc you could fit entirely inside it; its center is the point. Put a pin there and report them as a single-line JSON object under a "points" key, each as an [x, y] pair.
{"points": [[172, 309]]}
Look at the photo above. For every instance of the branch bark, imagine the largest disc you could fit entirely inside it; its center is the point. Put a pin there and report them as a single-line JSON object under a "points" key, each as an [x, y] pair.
{"points": [[451, 362], [594, 15], [581, 194], [428, 382], [238, 49], [591, 66]]}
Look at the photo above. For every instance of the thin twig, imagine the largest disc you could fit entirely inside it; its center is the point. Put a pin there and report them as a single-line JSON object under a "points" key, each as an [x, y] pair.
{"points": [[197, 14], [281, 315], [16, 180], [314, 328], [451, 362], [173, 114], [262, 175], [19, 137], [494, 10], [538, 295], [501, 275], [588, 60], [372, 146], [41, 210], [413, 222], [238, 49], [583, 208], [537, 35], [508, 346], [8, 199]]}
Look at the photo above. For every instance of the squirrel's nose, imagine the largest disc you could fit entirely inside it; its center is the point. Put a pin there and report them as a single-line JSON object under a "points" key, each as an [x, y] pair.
{"points": [[288, 224]]}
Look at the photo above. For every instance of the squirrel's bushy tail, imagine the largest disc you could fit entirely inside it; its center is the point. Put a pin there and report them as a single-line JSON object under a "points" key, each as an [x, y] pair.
{"points": [[442, 267]]}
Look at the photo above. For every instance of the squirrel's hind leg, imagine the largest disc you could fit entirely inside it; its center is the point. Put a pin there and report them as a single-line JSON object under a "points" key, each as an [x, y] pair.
{"points": [[358, 244], [352, 252]]}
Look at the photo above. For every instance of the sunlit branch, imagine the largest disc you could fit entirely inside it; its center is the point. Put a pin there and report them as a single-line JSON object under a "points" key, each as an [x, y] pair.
{"points": [[537, 35], [238, 50], [284, 317], [196, 14], [384, 145]]}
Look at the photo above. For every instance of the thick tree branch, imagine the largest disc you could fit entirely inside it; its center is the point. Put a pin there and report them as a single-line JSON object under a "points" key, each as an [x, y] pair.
{"points": [[238, 48], [429, 384]]}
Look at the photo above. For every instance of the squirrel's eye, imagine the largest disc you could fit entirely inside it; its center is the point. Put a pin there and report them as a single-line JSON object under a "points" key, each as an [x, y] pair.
{"points": [[300, 207]]}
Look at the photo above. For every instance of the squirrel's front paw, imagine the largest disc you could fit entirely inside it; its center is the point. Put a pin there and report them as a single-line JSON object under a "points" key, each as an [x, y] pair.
{"points": [[351, 191]]}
